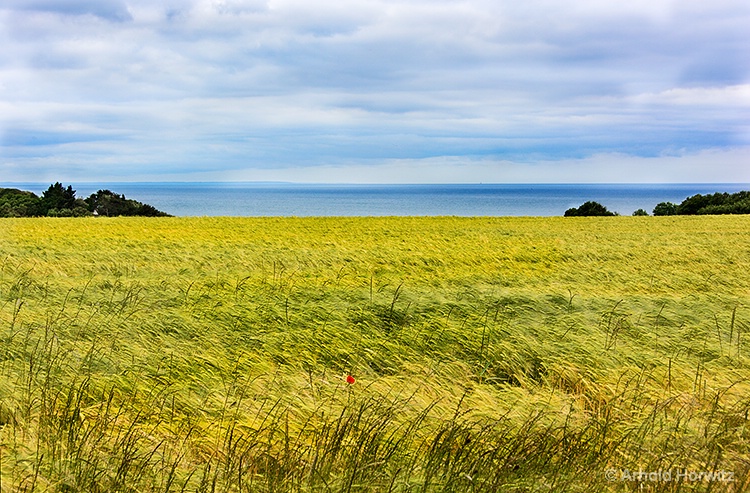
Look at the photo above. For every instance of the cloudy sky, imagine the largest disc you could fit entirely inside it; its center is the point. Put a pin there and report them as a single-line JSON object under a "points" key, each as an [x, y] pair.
{"points": [[375, 90]]}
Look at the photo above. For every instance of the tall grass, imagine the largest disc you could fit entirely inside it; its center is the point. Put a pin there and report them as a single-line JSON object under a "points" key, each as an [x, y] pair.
{"points": [[490, 354]]}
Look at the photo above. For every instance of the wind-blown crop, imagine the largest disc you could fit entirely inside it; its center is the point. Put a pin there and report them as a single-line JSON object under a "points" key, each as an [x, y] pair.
{"points": [[374, 354]]}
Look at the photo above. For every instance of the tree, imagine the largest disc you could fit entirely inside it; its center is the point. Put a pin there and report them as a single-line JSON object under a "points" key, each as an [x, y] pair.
{"points": [[665, 209], [640, 212], [61, 201], [57, 198], [716, 203], [18, 203], [589, 208], [108, 203], [693, 205], [736, 207]]}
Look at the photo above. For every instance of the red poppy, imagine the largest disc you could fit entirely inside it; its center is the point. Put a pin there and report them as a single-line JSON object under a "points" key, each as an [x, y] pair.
{"points": [[350, 379]]}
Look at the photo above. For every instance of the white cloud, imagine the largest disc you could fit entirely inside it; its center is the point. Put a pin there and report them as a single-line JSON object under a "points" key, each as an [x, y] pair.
{"points": [[727, 97], [222, 86]]}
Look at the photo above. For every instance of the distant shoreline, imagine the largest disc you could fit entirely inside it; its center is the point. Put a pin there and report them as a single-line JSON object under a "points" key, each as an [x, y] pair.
{"points": [[295, 199]]}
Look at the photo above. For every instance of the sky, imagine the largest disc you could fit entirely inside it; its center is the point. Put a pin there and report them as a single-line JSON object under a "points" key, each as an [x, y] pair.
{"points": [[375, 91]]}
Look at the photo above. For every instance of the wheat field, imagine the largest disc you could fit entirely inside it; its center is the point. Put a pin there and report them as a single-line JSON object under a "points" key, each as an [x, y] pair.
{"points": [[487, 354]]}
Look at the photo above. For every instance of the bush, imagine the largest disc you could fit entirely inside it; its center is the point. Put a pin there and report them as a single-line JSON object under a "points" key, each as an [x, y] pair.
{"points": [[589, 208]]}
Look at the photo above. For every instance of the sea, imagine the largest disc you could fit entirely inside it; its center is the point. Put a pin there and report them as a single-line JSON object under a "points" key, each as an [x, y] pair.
{"points": [[293, 199]]}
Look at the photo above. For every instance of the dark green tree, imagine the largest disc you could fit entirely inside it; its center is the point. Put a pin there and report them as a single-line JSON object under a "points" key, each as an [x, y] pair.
{"points": [[108, 203], [716, 203], [589, 208], [665, 209], [693, 205], [640, 212], [150, 211], [57, 198], [735, 207], [18, 203]]}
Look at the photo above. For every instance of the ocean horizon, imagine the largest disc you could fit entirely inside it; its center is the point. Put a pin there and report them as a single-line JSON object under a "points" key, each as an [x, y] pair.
{"points": [[305, 199]]}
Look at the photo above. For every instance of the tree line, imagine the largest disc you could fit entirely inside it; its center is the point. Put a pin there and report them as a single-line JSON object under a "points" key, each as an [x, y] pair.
{"points": [[61, 201], [715, 203]]}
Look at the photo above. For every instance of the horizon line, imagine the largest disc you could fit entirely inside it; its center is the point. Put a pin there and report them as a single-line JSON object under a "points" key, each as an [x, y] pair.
{"points": [[279, 182]]}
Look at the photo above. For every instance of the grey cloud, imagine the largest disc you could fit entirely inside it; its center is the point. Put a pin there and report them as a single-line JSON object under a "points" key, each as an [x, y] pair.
{"points": [[114, 10], [717, 69]]}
